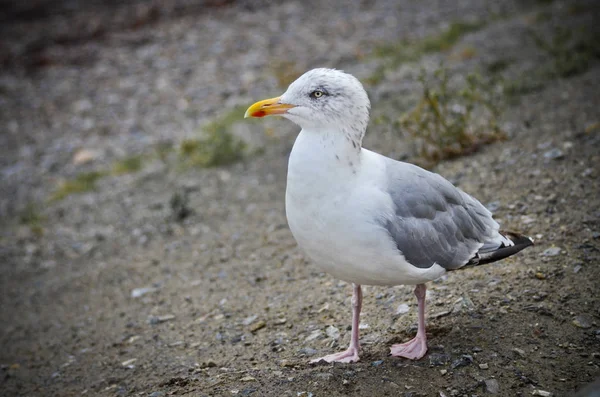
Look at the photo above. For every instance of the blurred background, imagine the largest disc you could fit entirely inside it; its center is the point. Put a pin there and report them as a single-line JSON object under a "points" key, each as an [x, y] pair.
{"points": [[144, 242]]}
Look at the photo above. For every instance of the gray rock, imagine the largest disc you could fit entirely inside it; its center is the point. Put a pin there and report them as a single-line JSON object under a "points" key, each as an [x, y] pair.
{"points": [[160, 319], [463, 361], [316, 334], [582, 322], [438, 359], [520, 352], [332, 332], [554, 154], [402, 309], [139, 292], [249, 320], [552, 251], [492, 386], [307, 351], [323, 376]]}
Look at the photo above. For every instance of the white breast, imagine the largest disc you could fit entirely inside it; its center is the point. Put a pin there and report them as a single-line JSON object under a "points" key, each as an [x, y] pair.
{"points": [[332, 211]]}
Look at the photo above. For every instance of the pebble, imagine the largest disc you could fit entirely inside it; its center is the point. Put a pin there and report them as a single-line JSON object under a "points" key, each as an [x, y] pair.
{"points": [[139, 292], [377, 363], [554, 154], [437, 359], [552, 251], [208, 364], [249, 320], [402, 309], [307, 351], [542, 393], [257, 326], [492, 386], [463, 361], [248, 378], [160, 319], [527, 219], [540, 276], [323, 376], [288, 363], [85, 156], [441, 314], [582, 322], [520, 352], [484, 366], [332, 332], [129, 363], [314, 335]]}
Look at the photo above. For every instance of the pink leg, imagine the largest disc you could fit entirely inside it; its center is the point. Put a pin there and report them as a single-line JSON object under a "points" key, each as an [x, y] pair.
{"points": [[417, 347], [351, 354]]}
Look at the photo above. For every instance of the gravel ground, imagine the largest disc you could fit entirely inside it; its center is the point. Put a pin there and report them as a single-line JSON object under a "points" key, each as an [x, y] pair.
{"points": [[117, 291]]}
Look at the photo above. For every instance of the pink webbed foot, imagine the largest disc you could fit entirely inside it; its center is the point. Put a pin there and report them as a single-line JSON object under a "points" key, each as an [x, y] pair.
{"points": [[413, 349], [417, 347], [347, 356]]}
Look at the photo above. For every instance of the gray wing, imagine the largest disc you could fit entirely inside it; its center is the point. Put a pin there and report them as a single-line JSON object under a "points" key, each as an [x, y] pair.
{"points": [[435, 222]]}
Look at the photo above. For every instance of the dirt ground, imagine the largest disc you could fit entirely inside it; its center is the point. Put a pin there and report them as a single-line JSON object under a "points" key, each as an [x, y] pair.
{"points": [[175, 280]]}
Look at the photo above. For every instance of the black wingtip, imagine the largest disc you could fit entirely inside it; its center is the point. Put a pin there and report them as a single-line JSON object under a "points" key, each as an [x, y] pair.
{"points": [[520, 242], [518, 239]]}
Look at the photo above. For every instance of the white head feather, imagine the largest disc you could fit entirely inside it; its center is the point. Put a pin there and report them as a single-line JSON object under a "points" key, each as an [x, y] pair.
{"points": [[327, 99]]}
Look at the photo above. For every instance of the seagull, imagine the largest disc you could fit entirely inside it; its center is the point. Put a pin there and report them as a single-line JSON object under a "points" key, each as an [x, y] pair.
{"points": [[367, 219]]}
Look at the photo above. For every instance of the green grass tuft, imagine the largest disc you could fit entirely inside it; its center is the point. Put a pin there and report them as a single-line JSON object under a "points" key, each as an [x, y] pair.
{"points": [[572, 51], [450, 123], [394, 54], [450, 36], [32, 217], [217, 146], [127, 165], [82, 183]]}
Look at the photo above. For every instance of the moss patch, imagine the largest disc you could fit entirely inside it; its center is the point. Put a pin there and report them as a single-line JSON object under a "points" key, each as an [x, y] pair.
{"points": [[80, 184], [32, 217], [127, 165]]}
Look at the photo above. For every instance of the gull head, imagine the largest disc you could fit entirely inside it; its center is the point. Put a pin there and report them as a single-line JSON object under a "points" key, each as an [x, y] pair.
{"points": [[321, 99]]}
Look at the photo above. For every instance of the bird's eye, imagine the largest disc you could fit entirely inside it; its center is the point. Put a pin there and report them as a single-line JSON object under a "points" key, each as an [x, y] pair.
{"points": [[316, 94]]}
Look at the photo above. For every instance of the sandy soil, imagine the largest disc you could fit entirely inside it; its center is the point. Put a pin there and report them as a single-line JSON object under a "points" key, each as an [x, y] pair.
{"points": [[111, 293]]}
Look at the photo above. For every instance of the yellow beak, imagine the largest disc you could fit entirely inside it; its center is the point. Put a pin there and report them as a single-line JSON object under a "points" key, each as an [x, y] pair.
{"points": [[267, 107]]}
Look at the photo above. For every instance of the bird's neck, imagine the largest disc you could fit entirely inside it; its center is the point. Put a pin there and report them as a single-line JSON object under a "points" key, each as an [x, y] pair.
{"points": [[321, 160]]}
